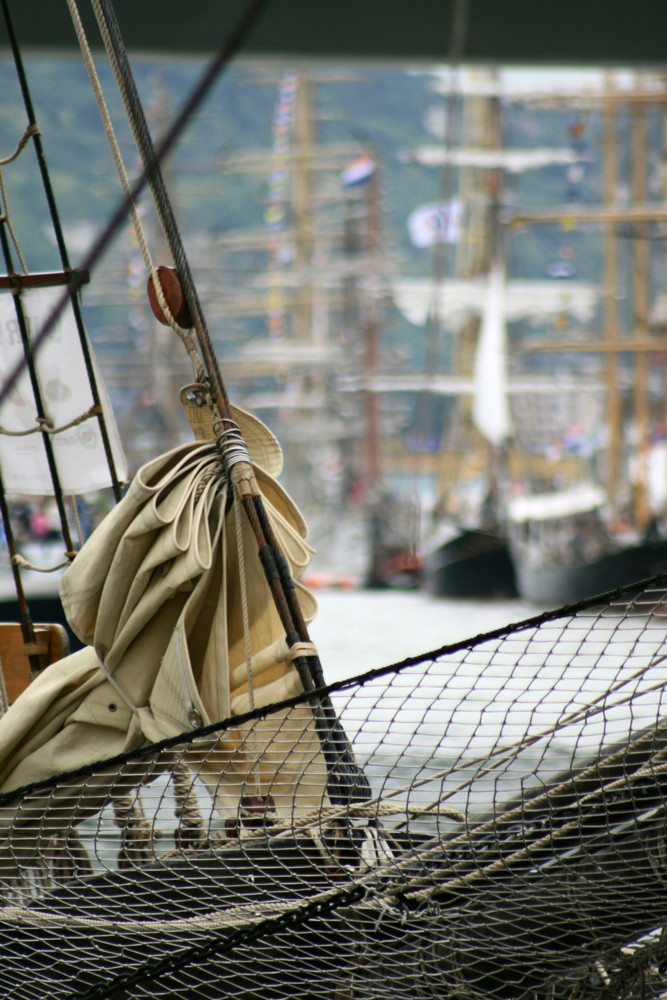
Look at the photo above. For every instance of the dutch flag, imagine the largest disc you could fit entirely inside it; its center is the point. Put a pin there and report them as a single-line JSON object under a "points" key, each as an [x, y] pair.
{"points": [[358, 170]]}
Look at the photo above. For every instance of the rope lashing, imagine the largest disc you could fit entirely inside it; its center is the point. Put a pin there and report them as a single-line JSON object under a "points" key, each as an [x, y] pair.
{"points": [[29, 131], [44, 425], [5, 219], [233, 449], [19, 560]]}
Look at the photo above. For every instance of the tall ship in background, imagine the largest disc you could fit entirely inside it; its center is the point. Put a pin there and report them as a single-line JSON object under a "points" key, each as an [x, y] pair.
{"points": [[587, 512], [467, 551], [321, 292], [566, 469], [466, 554]]}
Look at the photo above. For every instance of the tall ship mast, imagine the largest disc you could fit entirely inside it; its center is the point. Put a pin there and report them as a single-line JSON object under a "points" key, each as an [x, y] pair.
{"points": [[603, 525], [467, 551], [312, 364]]}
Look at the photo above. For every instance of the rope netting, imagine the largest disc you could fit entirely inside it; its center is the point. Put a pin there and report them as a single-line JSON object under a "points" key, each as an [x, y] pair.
{"points": [[514, 845]]}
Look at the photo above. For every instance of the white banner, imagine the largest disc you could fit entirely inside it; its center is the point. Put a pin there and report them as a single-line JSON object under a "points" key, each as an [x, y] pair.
{"points": [[490, 403], [63, 380], [439, 222]]}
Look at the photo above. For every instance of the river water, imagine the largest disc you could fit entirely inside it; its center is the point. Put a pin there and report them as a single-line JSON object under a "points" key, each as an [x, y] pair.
{"points": [[473, 728], [358, 630], [559, 692]]}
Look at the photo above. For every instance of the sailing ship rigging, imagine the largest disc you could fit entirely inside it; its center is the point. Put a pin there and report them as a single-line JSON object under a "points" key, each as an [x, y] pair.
{"points": [[311, 372], [468, 553], [600, 529], [562, 527], [310, 849]]}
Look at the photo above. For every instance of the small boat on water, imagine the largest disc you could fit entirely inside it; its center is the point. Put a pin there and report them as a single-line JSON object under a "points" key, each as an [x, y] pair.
{"points": [[188, 810]]}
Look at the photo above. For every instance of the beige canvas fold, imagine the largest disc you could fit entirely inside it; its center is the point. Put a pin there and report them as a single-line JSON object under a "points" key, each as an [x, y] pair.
{"points": [[155, 593]]}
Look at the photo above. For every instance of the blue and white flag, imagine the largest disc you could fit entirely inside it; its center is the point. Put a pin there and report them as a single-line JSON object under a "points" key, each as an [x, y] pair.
{"points": [[438, 222]]}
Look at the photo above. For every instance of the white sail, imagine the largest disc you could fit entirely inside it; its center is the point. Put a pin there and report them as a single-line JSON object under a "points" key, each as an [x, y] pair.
{"points": [[490, 398], [63, 380]]}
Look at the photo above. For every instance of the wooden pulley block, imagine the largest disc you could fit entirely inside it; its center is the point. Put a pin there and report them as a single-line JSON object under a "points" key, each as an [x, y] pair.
{"points": [[173, 294]]}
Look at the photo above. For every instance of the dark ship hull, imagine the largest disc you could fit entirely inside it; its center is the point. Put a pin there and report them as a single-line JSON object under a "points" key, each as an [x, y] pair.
{"points": [[473, 563], [556, 585]]}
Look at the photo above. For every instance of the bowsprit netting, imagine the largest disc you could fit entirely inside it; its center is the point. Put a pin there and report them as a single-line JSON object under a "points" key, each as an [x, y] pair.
{"points": [[514, 845]]}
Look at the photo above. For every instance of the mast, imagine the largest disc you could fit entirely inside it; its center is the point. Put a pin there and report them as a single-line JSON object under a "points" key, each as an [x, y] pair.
{"points": [[373, 472], [610, 306], [309, 291], [479, 252], [639, 338], [640, 311]]}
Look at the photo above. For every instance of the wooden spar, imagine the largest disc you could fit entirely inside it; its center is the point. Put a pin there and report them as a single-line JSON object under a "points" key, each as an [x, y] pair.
{"points": [[606, 346], [346, 781], [640, 311], [73, 277], [604, 215]]}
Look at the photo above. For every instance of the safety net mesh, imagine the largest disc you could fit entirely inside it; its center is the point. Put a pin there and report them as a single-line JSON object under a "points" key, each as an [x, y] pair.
{"points": [[514, 843]]}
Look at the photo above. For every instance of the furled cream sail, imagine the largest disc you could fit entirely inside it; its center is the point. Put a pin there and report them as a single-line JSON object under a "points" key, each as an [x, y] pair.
{"points": [[157, 596]]}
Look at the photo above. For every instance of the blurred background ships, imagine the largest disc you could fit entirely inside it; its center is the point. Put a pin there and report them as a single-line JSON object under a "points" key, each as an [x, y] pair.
{"points": [[493, 427]]}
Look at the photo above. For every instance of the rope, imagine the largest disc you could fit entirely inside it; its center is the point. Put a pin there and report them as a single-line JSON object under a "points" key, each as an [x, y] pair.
{"points": [[115, 51], [301, 649], [190, 832], [127, 188], [8, 223], [44, 425], [29, 131], [496, 823], [136, 831], [77, 520], [232, 44], [18, 560], [122, 694], [328, 816], [244, 601], [245, 615], [345, 778], [502, 755], [267, 916]]}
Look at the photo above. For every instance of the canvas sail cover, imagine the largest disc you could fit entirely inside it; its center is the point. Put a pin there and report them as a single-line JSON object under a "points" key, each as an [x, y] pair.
{"points": [[78, 448], [156, 595]]}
